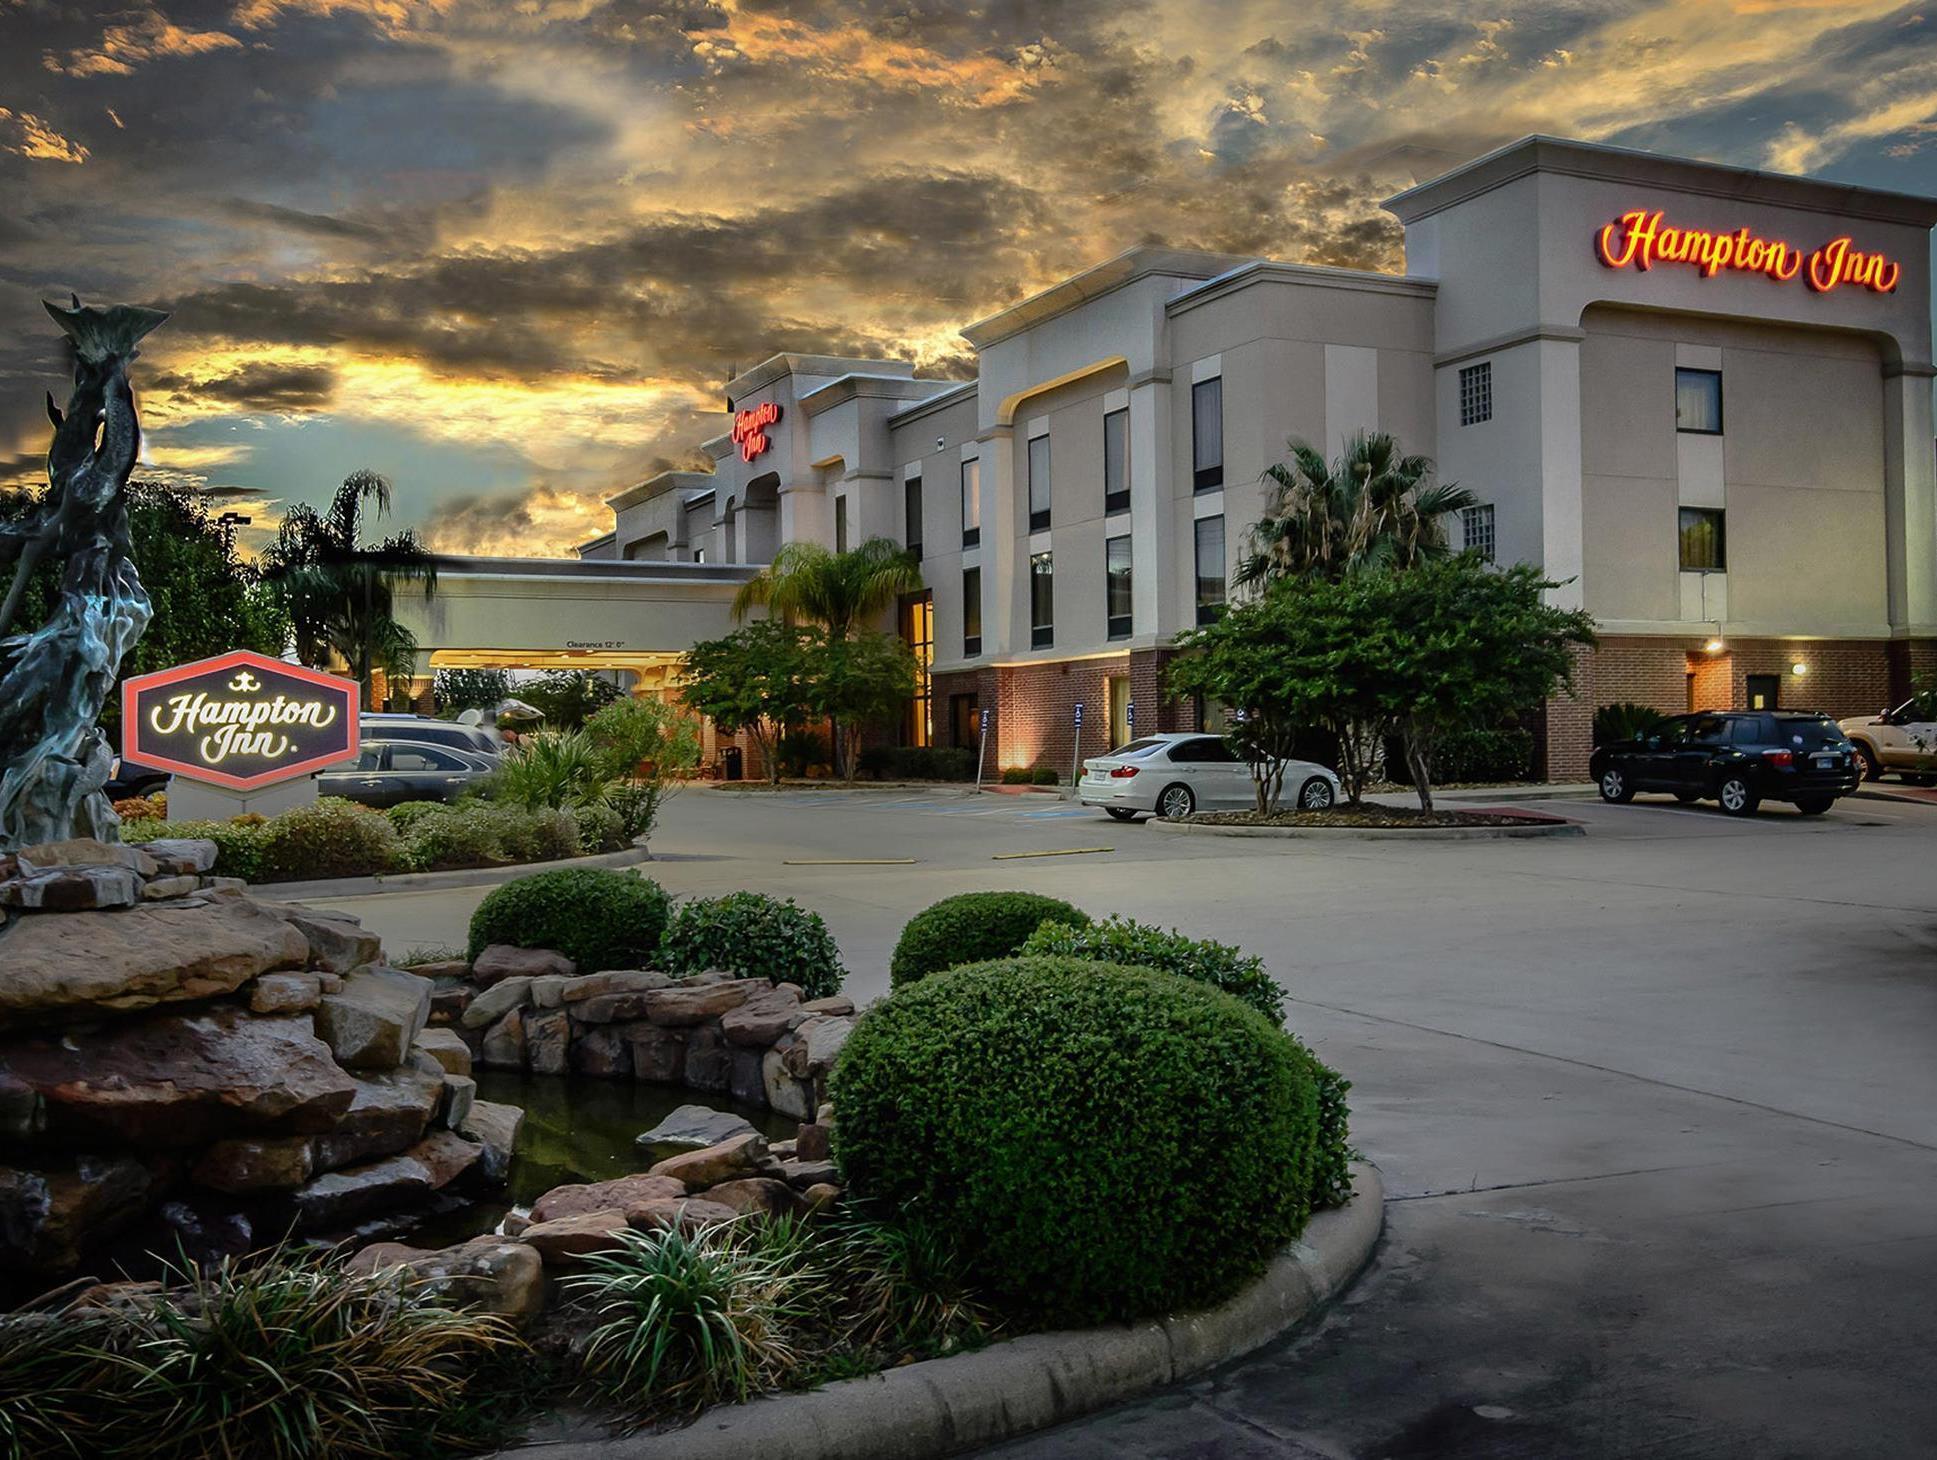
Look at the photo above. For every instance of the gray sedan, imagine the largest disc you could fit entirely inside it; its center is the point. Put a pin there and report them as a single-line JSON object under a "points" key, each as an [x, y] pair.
{"points": [[392, 771]]}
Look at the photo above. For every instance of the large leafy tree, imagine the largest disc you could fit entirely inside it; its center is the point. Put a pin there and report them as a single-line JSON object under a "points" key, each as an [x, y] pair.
{"points": [[806, 583], [1373, 508], [754, 679], [854, 680], [567, 698], [339, 592]]}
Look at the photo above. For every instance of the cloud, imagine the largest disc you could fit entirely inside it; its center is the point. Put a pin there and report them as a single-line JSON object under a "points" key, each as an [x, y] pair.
{"points": [[262, 385], [27, 135], [539, 522]]}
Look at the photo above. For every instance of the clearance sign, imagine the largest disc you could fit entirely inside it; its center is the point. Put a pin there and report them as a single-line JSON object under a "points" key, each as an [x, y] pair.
{"points": [[241, 720], [1641, 239]]}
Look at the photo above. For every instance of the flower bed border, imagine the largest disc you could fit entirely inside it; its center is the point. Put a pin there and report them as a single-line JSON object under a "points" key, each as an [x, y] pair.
{"points": [[947, 1406], [1558, 826], [376, 882]]}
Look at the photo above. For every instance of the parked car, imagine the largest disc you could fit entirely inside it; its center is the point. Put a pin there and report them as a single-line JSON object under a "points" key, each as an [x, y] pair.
{"points": [[391, 771], [128, 779], [1903, 740], [1174, 774], [425, 730], [1740, 758]]}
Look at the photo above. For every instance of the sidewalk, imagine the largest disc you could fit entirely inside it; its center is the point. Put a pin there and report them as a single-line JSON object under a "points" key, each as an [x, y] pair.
{"points": [[1490, 795]]}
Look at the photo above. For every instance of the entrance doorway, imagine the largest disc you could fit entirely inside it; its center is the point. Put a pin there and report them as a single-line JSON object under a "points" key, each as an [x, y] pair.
{"points": [[964, 722], [1119, 688], [1764, 691]]}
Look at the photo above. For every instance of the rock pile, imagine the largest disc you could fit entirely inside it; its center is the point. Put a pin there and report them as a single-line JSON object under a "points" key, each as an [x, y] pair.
{"points": [[182, 1062]]}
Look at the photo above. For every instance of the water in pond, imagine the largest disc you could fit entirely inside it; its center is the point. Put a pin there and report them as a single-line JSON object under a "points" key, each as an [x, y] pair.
{"points": [[575, 1129]]}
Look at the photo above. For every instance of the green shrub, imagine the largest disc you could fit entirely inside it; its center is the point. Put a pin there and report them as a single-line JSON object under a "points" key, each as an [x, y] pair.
{"points": [[755, 936], [1142, 945], [596, 918], [638, 809], [328, 838], [1044, 776], [238, 848], [1483, 755], [543, 835], [455, 836], [971, 927], [1018, 775], [599, 828], [918, 763], [1108, 1143], [406, 814], [800, 750], [555, 769], [1624, 720]]}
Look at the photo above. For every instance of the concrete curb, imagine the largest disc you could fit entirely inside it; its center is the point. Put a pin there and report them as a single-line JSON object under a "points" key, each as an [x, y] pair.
{"points": [[947, 1406], [434, 881], [1379, 834]]}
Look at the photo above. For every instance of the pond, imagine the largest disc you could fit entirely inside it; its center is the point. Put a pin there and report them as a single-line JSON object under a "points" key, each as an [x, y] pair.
{"points": [[576, 1130]]}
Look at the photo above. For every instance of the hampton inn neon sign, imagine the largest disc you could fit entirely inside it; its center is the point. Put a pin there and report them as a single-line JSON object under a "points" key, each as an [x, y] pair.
{"points": [[241, 720], [1641, 239], [750, 429]]}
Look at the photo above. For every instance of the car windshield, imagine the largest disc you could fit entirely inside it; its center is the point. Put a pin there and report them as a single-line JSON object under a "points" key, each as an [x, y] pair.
{"points": [[1807, 732], [1138, 747]]}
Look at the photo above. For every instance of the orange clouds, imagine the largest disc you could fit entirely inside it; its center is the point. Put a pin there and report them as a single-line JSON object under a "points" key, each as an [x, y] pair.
{"points": [[27, 135]]}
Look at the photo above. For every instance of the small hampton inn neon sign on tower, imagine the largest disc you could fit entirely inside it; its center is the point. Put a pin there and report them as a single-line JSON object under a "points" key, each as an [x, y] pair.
{"points": [[1640, 239], [750, 429]]}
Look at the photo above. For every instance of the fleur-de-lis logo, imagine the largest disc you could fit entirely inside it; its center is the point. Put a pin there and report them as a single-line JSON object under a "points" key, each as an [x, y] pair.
{"points": [[245, 683]]}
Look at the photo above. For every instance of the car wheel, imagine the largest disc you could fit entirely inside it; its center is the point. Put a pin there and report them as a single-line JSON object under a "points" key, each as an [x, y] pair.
{"points": [[1316, 795], [1121, 813], [1872, 767], [1176, 803], [1736, 797], [1615, 787], [1815, 805], [1688, 798]]}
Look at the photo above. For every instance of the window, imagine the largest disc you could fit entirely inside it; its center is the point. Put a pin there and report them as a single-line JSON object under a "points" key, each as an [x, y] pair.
{"points": [[1116, 576], [918, 632], [1042, 600], [971, 612], [840, 524], [1210, 749], [1207, 435], [1210, 568], [1698, 401], [412, 758], [1038, 483], [1702, 547], [1764, 691], [964, 722], [699, 555], [1116, 461], [1476, 393], [1476, 530], [911, 514], [971, 503], [1707, 730]]}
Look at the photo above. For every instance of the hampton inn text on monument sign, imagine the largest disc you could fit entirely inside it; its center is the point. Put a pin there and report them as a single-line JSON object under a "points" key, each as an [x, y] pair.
{"points": [[241, 720]]}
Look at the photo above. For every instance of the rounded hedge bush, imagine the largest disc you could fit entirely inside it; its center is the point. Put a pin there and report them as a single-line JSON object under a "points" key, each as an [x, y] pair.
{"points": [[596, 918], [330, 837], [755, 936], [1144, 945], [972, 927], [1109, 1143]]}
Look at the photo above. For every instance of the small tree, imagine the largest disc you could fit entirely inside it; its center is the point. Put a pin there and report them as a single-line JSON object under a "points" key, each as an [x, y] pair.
{"points": [[856, 680], [567, 698], [1235, 661], [470, 689], [754, 679]]}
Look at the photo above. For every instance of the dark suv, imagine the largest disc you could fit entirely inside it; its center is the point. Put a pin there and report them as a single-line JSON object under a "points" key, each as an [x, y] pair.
{"points": [[1740, 758]]}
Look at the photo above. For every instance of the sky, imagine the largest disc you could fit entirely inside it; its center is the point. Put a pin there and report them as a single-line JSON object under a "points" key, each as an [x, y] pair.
{"points": [[507, 252]]}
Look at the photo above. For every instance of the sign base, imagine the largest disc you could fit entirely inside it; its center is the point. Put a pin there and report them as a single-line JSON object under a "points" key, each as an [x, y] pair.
{"points": [[198, 801]]}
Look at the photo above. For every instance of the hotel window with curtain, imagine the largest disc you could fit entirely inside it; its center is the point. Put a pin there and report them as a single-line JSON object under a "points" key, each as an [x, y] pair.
{"points": [[1116, 462], [1704, 546], [840, 524], [1038, 483], [911, 514], [971, 612], [1042, 600], [1116, 577], [1698, 401], [1210, 568], [1207, 434], [971, 503]]}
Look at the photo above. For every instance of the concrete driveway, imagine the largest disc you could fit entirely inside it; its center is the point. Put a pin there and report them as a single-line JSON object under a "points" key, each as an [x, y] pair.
{"points": [[1657, 1107]]}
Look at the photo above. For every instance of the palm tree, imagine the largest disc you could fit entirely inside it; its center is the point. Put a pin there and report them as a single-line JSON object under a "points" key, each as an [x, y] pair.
{"points": [[1372, 508], [339, 593], [805, 583]]}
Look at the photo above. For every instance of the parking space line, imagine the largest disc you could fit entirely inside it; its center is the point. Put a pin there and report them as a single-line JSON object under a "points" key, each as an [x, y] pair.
{"points": [[1060, 852]]}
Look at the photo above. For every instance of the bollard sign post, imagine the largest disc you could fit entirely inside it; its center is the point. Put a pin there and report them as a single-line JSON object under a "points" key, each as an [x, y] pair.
{"points": [[982, 751], [1076, 753], [240, 720]]}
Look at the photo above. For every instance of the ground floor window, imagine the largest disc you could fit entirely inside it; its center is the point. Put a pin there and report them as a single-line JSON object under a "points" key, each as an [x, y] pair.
{"points": [[1119, 688], [918, 632], [964, 722]]}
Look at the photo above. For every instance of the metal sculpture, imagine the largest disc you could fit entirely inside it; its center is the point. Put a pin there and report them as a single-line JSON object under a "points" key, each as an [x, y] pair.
{"points": [[54, 681]]}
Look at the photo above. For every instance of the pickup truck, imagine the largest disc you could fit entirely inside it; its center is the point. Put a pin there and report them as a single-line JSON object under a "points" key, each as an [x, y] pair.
{"points": [[1902, 741]]}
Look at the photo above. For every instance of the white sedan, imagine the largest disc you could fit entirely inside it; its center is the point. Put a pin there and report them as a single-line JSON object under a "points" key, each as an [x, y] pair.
{"points": [[1174, 774]]}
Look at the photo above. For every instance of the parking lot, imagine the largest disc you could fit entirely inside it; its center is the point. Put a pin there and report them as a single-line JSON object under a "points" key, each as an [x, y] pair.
{"points": [[1656, 1106]]}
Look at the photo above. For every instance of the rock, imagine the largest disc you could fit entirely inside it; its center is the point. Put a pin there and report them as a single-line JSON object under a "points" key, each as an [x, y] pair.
{"points": [[460, 1092], [754, 1194], [445, 1156], [824, 1113], [559, 1242], [614, 981], [497, 1001], [49, 1219], [452, 1054], [688, 1214], [504, 1043], [371, 1021], [785, 1092], [709, 1060], [175, 1080], [86, 851], [224, 885], [693, 1128], [684, 1004], [339, 1198], [337, 941], [447, 1005], [803, 1174], [284, 993], [501, 961], [602, 1051], [183, 856], [391, 1112], [762, 1019], [138, 957], [811, 1143], [746, 1081], [245, 1164], [626, 1191], [438, 970], [613, 1008], [158, 888], [728, 1160], [23, 1114], [72, 889], [495, 1127], [658, 1055], [548, 990], [818, 1045], [548, 1037], [820, 1196], [782, 1150], [839, 1004], [485, 1275]]}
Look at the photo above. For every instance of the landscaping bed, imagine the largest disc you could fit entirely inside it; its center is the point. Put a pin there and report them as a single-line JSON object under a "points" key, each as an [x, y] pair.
{"points": [[1371, 817]]}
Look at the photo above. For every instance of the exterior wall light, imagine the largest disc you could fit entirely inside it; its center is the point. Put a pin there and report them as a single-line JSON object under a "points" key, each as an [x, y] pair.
{"points": [[1714, 646], [1799, 669]]}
